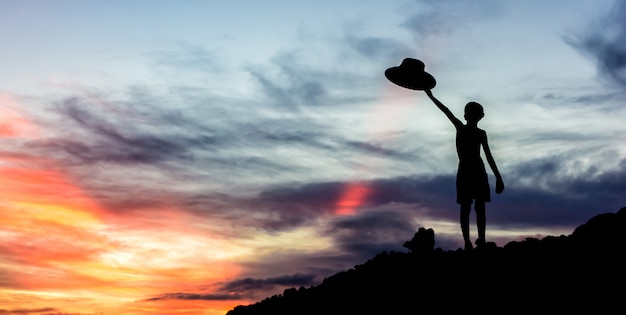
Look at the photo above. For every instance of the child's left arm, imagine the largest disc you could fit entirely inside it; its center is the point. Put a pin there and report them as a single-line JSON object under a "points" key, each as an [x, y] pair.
{"points": [[492, 164]]}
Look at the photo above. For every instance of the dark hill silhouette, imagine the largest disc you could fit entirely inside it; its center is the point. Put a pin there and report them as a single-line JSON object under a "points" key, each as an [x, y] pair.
{"points": [[581, 272]]}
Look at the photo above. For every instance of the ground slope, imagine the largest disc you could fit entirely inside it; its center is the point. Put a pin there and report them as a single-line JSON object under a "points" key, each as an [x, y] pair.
{"points": [[583, 271]]}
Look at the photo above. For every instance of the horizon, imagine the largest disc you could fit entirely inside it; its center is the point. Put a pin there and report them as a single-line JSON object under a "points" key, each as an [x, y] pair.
{"points": [[188, 158]]}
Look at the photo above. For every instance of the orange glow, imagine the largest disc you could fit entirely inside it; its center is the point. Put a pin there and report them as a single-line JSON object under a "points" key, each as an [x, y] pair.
{"points": [[390, 110], [12, 124], [59, 251], [353, 196], [64, 253], [187, 307]]}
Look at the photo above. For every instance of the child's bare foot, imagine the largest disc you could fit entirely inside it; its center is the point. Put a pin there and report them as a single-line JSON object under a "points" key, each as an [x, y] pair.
{"points": [[480, 242]]}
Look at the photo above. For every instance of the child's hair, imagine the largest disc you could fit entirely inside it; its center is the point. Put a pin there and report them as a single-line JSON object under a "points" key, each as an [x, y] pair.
{"points": [[474, 109]]}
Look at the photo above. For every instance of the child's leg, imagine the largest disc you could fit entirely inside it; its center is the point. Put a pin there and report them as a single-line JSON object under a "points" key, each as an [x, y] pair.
{"points": [[466, 208], [481, 221]]}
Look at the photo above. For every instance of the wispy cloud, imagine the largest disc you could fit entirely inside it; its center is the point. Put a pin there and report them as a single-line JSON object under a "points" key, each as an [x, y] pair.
{"points": [[239, 289], [26, 311], [91, 132], [371, 232], [195, 296], [565, 193], [605, 42], [291, 81], [252, 284], [437, 18]]}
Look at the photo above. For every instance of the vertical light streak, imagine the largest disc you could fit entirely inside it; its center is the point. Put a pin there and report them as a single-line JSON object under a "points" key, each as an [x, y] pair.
{"points": [[388, 113]]}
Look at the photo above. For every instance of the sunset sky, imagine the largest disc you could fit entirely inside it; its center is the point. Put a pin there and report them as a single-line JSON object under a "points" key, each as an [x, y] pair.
{"points": [[185, 157]]}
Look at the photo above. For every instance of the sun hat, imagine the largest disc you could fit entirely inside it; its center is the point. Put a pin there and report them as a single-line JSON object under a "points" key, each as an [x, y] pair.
{"points": [[410, 74]]}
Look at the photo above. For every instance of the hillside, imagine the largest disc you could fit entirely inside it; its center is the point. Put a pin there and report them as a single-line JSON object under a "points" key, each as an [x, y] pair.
{"points": [[583, 271]]}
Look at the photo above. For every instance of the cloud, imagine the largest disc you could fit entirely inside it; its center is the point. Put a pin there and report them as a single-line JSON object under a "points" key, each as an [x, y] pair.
{"points": [[370, 232], [292, 206], [552, 191], [377, 47], [194, 296], [606, 101], [132, 132], [253, 284], [437, 18], [124, 150], [297, 90], [293, 82], [605, 42], [26, 311], [326, 195], [117, 144], [558, 192], [242, 288], [372, 47]]}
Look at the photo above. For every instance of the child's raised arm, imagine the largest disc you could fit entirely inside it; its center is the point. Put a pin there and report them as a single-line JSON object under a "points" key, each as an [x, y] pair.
{"points": [[455, 121]]}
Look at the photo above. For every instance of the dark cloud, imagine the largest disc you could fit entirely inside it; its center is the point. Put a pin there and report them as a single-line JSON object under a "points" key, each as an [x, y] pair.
{"points": [[243, 288], [542, 192], [406, 189], [378, 47], [546, 192], [605, 100], [252, 284], [126, 135], [133, 133], [585, 99], [124, 152], [292, 206], [375, 149], [117, 144], [291, 82], [25, 311], [194, 296], [368, 233], [355, 238], [293, 94], [436, 18], [320, 139], [605, 41]]}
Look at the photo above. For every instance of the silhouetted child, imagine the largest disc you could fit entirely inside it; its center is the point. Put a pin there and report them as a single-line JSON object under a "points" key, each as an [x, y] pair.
{"points": [[472, 184]]}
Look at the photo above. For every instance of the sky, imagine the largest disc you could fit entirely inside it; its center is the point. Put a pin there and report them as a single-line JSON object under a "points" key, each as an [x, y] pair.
{"points": [[185, 157]]}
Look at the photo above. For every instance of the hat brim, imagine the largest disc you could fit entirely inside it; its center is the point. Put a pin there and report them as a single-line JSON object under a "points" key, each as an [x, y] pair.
{"points": [[410, 80]]}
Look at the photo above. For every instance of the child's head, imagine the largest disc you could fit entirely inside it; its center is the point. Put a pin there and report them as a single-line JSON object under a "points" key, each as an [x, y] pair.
{"points": [[474, 111]]}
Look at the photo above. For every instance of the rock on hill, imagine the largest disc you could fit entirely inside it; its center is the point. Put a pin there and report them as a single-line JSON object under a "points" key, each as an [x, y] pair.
{"points": [[581, 272]]}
